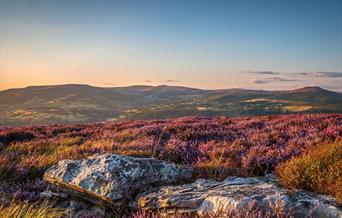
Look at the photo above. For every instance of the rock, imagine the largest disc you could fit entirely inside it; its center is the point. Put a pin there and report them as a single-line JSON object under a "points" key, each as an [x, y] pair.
{"points": [[237, 197], [112, 180], [86, 214], [49, 194]]}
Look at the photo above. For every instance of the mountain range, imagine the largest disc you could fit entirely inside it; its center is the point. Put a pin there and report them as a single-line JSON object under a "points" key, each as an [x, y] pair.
{"points": [[74, 103]]}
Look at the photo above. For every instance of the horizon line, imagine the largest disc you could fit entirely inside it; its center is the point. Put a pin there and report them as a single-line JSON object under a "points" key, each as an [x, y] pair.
{"points": [[179, 86]]}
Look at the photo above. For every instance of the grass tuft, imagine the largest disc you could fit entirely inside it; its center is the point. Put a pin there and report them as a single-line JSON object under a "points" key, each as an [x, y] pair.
{"points": [[217, 169], [26, 210], [319, 170]]}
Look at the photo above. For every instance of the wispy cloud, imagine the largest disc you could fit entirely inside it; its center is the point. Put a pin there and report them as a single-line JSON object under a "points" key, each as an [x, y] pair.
{"points": [[148, 81], [278, 79], [322, 74], [272, 80], [263, 72], [171, 81], [259, 81]]}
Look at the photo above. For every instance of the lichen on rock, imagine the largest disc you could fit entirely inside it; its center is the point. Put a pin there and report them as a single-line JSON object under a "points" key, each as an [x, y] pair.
{"points": [[112, 179], [235, 196]]}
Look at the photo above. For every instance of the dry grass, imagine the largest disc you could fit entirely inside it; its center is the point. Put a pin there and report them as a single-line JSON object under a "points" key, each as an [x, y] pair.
{"points": [[319, 170], [25, 210], [298, 108], [217, 169]]}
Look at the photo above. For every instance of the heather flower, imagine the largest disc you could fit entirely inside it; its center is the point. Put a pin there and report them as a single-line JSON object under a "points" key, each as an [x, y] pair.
{"points": [[254, 144]]}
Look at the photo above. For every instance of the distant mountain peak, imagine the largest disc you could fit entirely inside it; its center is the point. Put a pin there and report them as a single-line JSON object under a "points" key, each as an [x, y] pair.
{"points": [[73, 103], [308, 89]]}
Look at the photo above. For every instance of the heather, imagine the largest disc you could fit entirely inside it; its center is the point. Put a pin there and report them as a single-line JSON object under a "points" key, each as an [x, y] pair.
{"points": [[215, 147], [318, 170]]}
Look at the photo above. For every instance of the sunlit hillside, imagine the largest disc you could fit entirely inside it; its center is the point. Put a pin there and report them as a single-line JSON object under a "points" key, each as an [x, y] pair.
{"points": [[83, 104]]}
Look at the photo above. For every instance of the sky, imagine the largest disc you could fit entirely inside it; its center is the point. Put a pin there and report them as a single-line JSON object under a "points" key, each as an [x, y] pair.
{"points": [[209, 44]]}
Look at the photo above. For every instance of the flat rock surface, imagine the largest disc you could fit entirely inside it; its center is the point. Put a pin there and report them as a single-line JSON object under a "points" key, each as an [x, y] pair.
{"points": [[237, 196], [112, 179]]}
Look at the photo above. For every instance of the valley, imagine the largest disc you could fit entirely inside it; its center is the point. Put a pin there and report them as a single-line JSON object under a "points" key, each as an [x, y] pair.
{"points": [[41, 105]]}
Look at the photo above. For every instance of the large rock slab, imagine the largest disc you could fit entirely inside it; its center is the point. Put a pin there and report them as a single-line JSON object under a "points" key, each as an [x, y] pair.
{"points": [[237, 197], [110, 179]]}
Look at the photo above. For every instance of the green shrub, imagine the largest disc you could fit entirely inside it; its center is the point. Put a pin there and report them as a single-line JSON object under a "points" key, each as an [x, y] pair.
{"points": [[319, 170]]}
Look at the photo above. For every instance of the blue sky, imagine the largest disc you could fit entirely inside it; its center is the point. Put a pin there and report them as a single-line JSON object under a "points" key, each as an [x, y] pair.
{"points": [[257, 44]]}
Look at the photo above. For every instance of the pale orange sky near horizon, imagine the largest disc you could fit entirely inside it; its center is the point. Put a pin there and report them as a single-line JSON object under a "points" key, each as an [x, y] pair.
{"points": [[27, 67], [282, 45]]}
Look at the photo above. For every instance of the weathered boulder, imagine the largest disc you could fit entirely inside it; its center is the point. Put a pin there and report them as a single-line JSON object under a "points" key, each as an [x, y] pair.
{"points": [[112, 180], [237, 197]]}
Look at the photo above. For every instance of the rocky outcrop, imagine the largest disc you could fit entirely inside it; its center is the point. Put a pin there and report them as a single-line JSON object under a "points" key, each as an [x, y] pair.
{"points": [[237, 197], [104, 185], [111, 180]]}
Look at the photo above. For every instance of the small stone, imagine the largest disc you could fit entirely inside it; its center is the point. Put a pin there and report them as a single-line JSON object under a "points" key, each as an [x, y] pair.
{"points": [[49, 194], [98, 210], [46, 194], [86, 214]]}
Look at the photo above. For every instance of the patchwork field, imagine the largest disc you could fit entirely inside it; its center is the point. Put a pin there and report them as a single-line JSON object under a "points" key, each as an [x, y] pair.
{"points": [[63, 104]]}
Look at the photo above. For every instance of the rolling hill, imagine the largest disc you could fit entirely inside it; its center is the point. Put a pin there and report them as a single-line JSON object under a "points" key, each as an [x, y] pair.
{"points": [[73, 103]]}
